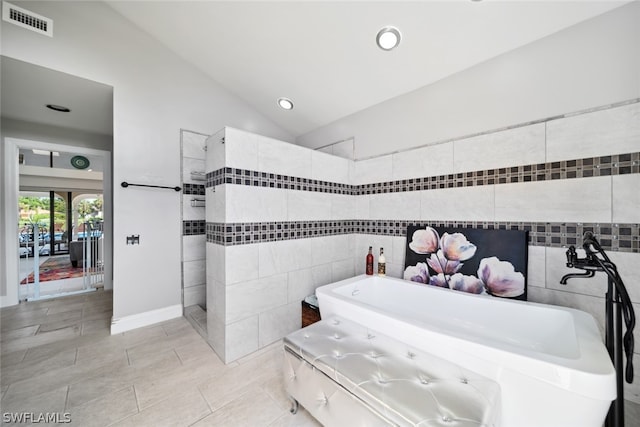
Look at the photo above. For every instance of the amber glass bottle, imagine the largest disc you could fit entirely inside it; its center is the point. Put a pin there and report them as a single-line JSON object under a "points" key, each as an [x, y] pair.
{"points": [[369, 269]]}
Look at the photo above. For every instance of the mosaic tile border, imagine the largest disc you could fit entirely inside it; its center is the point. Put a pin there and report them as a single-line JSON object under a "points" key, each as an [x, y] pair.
{"points": [[272, 180], [618, 164], [193, 227], [614, 237], [229, 234], [194, 189]]}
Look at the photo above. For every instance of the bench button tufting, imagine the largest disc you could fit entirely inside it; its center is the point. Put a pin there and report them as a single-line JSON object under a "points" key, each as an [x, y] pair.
{"points": [[464, 381], [446, 419]]}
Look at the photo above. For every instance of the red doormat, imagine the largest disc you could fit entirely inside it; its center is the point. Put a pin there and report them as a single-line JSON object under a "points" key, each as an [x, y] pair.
{"points": [[55, 269]]}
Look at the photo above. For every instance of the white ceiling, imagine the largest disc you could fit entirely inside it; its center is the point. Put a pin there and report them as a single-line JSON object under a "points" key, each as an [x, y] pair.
{"points": [[323, 54], [28, 88]]}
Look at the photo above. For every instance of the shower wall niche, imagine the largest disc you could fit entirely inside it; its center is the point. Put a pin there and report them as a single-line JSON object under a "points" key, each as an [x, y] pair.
{"points": [[193, 219]]}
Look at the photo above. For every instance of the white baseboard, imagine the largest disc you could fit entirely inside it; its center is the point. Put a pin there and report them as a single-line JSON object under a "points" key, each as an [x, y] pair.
{"points": [[8, 301], [147, 318]]}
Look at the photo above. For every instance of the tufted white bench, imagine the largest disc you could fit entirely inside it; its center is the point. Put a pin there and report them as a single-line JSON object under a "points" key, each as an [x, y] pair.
{"points": [[346, 374]]}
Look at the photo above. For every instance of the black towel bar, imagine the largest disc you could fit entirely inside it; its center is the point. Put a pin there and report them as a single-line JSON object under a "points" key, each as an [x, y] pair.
{"points": [[127, 184]]}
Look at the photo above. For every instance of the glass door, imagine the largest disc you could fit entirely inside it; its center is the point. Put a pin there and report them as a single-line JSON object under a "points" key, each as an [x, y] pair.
{"points": [[53, 260]]}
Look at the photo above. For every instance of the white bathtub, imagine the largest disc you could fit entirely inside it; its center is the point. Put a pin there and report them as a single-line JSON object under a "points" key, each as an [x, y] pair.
{"points": [[550, 362]]}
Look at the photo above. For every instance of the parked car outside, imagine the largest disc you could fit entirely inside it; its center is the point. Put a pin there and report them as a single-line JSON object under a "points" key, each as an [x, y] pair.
{"points": [[45, 250], [57, 236]]}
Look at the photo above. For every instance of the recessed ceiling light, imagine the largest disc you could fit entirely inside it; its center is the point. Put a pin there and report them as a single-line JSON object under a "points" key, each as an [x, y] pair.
{"points": [[285, 103], [59, 108], [388, 38]]}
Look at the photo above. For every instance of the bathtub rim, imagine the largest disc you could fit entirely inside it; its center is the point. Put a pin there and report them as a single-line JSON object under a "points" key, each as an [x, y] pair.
{"points": [[591, 374]]}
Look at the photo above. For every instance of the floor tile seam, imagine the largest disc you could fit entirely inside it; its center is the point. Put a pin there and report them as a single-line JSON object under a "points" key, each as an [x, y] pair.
{"points": [[158, 383], [248, 391], [130, 415], [211, 410], [99, 398], [30, 369], [179, 374], [164, 345], [269, 393], [156, 404]]}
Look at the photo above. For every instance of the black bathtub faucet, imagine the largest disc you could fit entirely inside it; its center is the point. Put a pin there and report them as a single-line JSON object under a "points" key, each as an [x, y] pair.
{"points": [[617, 306]]}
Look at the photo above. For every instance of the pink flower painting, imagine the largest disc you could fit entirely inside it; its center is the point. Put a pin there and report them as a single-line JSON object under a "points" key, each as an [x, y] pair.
{"points": [[438, 259]]}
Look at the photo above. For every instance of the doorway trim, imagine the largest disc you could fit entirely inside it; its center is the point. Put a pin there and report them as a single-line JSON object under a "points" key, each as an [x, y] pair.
{"points": [[12, 188]]}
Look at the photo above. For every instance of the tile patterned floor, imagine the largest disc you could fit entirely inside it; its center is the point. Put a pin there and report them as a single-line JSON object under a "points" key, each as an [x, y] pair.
{"points": [[58, 357]]}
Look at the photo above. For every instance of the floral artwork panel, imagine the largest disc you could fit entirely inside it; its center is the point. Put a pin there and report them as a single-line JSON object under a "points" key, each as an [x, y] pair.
{"points": [[479, 261]]}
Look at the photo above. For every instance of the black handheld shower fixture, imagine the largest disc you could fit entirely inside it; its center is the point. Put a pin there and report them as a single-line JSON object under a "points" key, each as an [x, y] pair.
{"points": [[617, 305]]}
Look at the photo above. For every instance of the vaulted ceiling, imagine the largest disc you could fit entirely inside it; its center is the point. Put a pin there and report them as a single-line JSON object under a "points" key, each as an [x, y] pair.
{"points": [[323, 55]]}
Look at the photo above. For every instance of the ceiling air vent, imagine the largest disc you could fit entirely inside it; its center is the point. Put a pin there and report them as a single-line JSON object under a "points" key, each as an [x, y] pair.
{"points": [[27, 19]]}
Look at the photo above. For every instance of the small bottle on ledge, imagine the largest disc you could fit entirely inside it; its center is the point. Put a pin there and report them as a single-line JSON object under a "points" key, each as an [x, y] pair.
{"points": [[369, 269], [382, 263]]}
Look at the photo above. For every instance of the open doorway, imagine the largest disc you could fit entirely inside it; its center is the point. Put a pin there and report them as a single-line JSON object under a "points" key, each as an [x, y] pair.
{"points": [[57, 140], [61, 243], [61, 220]]}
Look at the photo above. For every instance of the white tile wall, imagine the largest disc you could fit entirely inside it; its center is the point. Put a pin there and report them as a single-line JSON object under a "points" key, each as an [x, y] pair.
{"points": [[216, 331], [192, 165], [432, 160], [215, 210], [398, 250], [308, 206], [193, 145], [194, 247], [341, 270], [264, 283], [626, 197], [192, 212], [195, 295], [215, 153], [321, 275], [241, 149], [278, 322], [600, 133], [513, 147], [284, 256], [576, 200], [362, 207], [283, 158], [194, 273], [394, 205], [241, 263], [464, 203], [255, 204], [331, 248], [536, 268], [241, 338], [216, 299], [344, 149], [300, 284], [342, 207], [327, 167], [251, 297], [215, 259], [378, 169]]}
